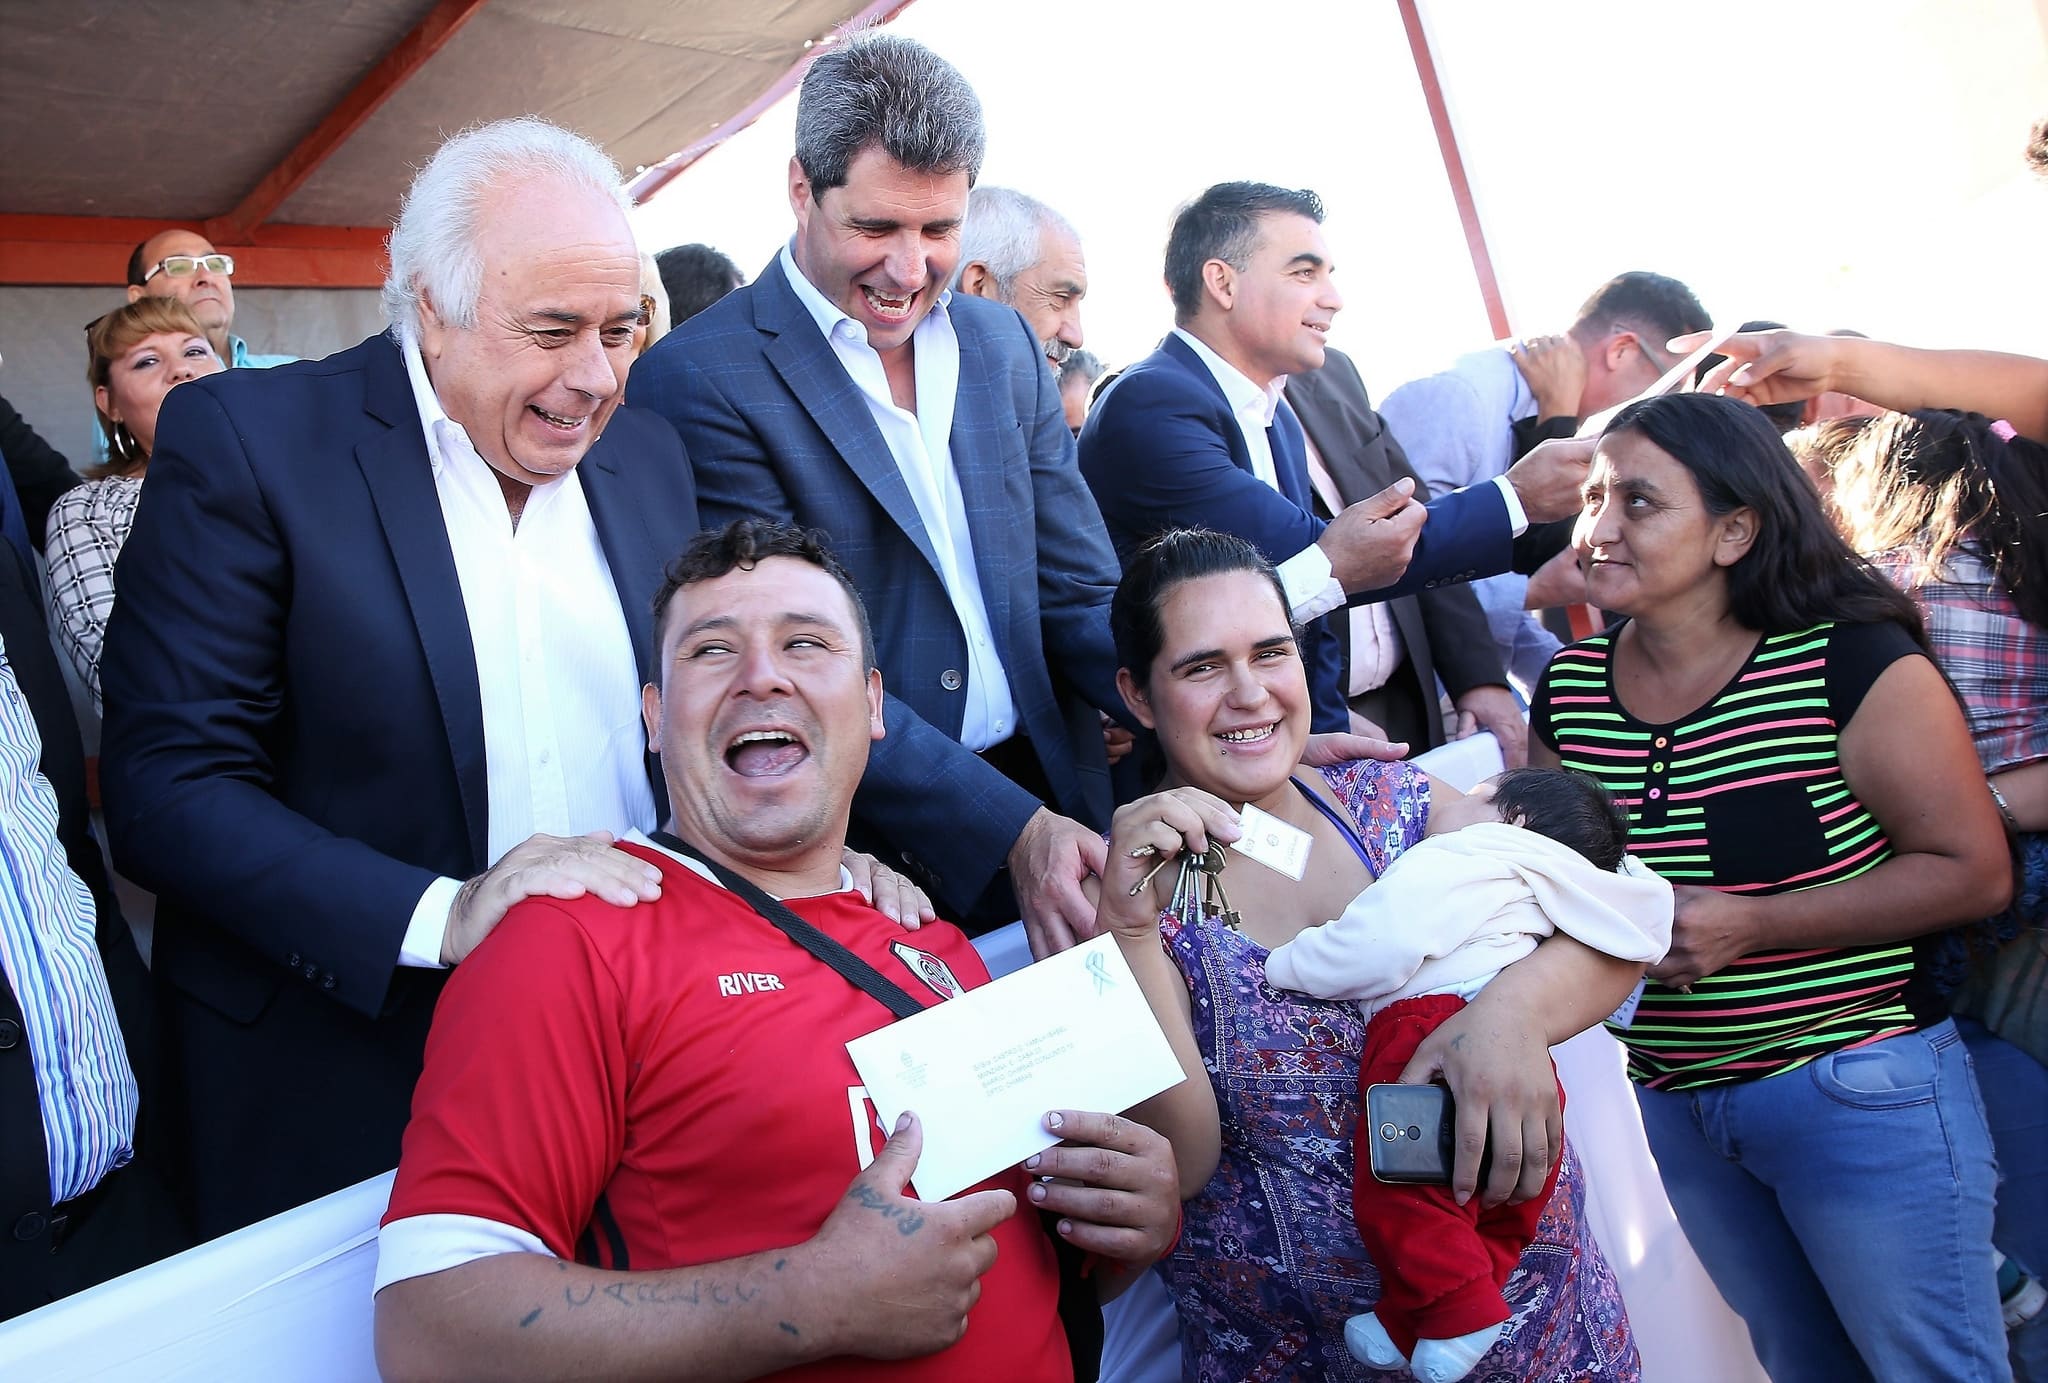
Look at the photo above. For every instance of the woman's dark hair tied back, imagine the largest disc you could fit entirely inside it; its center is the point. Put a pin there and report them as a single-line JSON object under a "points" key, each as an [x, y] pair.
{"points": [[1175, 556], [1798, 572]]}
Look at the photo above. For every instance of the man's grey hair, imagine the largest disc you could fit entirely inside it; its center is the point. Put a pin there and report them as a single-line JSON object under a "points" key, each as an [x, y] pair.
{"points": [[1004, 233], [879, 88], [434, 241]]}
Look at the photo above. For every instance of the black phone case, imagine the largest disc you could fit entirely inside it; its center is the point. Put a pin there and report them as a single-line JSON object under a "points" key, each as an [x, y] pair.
{"points": [[1410, 1133]]}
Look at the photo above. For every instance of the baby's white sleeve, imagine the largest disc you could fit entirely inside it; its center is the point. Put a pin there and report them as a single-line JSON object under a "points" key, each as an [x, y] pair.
{"points": [[1373, 949]]}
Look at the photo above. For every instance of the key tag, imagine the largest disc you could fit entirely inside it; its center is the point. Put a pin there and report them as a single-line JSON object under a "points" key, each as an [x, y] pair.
{"points": [[1279, 845], [1625, 1016]]}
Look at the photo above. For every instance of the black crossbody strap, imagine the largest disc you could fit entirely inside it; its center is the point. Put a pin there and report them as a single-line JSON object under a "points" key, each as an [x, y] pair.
{"points": [[851, 967]]}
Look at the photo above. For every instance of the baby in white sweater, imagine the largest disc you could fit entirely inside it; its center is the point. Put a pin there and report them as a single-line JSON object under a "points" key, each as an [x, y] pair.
{"points": [[1525, 854]]}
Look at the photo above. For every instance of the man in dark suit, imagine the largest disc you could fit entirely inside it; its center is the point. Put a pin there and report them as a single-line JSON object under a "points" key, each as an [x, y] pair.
{"points": [[1199, 432], [1396, 650], [374, 666], [846, 390]]}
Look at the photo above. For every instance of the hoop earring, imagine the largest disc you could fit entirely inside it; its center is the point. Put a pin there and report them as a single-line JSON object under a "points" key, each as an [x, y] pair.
{"points": [[127, 451]]}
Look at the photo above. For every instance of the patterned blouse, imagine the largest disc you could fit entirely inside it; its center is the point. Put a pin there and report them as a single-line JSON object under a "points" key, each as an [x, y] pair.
{"points": [[1746, 795], [1269, 1263], [87, 528]]}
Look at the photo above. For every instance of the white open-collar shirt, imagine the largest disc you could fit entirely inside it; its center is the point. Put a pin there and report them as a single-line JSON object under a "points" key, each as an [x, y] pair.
{"points": [[564, 748], [921, 444]]}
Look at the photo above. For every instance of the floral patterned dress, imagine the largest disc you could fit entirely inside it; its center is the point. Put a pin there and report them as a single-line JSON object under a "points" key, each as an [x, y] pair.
{"points": [[1269, 1264]]}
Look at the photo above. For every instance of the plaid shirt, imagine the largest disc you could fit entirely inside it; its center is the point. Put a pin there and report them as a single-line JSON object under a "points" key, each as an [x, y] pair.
{"points": [[1997, 660], [87, 527]]}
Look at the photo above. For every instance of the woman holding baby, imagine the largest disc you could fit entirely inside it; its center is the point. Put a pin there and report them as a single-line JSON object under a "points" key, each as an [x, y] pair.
{"points": [[1269, 1265]]}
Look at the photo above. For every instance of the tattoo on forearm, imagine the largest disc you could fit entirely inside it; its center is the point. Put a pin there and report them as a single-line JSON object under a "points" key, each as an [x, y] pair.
{"points": [[651, 1291], [908, 1221]]}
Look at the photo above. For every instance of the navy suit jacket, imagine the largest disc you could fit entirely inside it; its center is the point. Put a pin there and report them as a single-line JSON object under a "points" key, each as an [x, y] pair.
{"points": [[1161, 449], [776, 428], [294, 742]]}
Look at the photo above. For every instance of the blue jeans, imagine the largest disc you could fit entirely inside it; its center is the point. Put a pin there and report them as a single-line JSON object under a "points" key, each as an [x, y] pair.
{"points": [[2015, 1088], [1844, 1209]]}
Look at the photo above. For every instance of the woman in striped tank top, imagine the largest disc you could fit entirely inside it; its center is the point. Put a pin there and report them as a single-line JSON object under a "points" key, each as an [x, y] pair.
{"points": [[1797, 768]]}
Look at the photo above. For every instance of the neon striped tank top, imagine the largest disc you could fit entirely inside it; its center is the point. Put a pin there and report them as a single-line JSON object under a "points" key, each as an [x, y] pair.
{"points": [[1746, 794]]}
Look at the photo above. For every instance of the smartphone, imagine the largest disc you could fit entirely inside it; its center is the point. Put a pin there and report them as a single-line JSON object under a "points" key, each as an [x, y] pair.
{"points": [[1411, 1134]]}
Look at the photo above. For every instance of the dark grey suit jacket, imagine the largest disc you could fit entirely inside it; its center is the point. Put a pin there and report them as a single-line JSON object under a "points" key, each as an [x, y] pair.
{"points": [[1442, 629]]}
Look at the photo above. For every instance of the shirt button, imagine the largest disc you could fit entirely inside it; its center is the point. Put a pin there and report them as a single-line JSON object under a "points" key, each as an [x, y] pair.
{"points": [[292, 960], [1654, 768], [1661, 741], [950, 679], [10, 1034], [1655, 793], [29, 1226]]}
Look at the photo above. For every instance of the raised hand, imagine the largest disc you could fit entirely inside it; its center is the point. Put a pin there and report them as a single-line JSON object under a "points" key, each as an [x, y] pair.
{"points": [[1370, 543]]}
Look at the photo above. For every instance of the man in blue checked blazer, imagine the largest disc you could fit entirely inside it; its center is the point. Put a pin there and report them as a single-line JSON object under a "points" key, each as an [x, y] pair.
{"points": [[1199, 433], [846, 390]]}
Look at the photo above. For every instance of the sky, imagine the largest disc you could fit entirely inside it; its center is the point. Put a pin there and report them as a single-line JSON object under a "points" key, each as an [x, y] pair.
{"points": [[1844, 163]]}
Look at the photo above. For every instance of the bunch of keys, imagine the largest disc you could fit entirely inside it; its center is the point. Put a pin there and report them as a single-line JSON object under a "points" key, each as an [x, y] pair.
{"points": [[1201, 876]]}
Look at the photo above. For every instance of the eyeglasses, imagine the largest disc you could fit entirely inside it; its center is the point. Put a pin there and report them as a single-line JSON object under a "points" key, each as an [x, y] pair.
{"points": [[1662, 367], [182, 266]]}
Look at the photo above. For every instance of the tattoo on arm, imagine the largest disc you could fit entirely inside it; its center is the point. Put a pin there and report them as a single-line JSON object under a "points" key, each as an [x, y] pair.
{"points": [[908, 1221], [647, 1291]]}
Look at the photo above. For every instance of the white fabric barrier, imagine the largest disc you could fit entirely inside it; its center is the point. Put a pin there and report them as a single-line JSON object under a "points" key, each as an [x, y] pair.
{"points": [[289, 1298]]}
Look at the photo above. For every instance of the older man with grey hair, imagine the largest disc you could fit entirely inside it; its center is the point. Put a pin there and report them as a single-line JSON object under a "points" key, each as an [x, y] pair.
{"points": [[374, 674], [847, 389], [1019, 251]]}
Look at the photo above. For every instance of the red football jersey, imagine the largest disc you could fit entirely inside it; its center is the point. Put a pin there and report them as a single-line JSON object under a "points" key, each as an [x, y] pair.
{"points": [[685, 1061]]}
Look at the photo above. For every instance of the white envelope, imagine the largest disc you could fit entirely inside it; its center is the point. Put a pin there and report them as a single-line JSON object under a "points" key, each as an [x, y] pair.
{"points": [[983, 1070]]}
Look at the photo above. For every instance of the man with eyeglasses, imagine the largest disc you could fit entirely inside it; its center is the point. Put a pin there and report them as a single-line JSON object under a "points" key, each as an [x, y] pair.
{"points": [[183, 264], [1469, 424]]}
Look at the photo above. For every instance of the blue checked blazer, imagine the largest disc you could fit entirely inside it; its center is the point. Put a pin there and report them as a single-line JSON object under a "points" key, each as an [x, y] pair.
{"points": [[1161, 449], [776, 428]]}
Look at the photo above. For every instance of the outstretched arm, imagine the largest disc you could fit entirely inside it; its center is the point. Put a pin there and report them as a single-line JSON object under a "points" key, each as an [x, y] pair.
{"points": [[1785, 366]]}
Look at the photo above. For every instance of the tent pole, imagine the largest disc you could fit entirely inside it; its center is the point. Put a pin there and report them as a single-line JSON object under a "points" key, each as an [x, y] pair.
{"points": [[1454, 167]]}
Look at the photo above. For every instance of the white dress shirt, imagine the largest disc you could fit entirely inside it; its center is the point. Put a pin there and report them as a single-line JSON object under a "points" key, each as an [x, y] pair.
{"points": [[1312, 588], [921, 444], [564, 749]]}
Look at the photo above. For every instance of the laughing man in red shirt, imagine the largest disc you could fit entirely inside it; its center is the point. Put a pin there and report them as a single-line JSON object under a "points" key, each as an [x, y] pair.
{"points": [[639, 1147]]}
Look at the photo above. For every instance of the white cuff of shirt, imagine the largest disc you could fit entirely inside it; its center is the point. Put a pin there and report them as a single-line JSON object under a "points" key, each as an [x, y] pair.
{"points": [[422, 1244], [1518, 517], [429, 925], [1311, 588]]}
